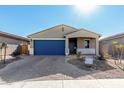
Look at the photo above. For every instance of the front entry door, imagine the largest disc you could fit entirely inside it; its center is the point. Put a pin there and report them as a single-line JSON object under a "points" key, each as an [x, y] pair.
{"points": [[72, 45]]}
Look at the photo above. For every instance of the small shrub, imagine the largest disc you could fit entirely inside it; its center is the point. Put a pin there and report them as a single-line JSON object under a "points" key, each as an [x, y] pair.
{"points": [[123, 69], [105, 56], [17, 51], [80, 56]]}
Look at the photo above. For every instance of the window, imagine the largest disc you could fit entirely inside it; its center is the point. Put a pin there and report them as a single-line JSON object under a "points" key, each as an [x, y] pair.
{"points": [[86, 43]]}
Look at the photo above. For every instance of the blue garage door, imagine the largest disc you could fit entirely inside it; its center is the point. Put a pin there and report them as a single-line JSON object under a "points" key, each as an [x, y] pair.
{"points": [[49, 47]]}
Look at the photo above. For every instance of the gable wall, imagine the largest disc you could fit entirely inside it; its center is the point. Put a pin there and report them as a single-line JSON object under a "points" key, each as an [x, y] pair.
{"points": [[55, 32], [83, 33]]}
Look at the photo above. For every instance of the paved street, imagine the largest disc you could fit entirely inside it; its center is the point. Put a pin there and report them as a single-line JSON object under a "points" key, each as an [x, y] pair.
{"points": [[110, 83]]}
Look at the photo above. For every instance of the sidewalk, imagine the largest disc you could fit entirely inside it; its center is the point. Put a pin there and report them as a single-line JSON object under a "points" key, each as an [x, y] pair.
{"points": [[100, 83]]}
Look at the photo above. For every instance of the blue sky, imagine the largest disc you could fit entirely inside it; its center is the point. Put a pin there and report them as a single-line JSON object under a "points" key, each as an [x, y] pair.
{"points": [[25, 20]]}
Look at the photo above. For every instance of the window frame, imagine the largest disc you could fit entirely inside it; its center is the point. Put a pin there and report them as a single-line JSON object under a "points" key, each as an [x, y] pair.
{"points": [[88, 43]]}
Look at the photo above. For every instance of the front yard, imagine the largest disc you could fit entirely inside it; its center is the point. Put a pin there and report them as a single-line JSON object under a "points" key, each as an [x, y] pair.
{"points": [[57, 68], [9, 59], [100, 69]]}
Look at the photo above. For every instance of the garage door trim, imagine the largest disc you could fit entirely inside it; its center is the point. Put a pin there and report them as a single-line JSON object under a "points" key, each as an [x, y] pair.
{"points": [[48, 38]]}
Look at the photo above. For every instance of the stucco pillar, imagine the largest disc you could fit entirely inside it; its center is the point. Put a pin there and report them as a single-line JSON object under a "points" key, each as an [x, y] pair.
{"points": [[31, 47], [66, 46], [97, 46]]}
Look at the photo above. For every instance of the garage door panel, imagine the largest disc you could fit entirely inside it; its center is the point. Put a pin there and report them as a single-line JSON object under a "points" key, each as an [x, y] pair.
{"points": [[49, 47]]}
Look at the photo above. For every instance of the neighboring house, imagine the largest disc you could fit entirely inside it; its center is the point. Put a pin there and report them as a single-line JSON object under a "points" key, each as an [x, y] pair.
{"points": [[12, 41], [106, 44], [64, 40]]}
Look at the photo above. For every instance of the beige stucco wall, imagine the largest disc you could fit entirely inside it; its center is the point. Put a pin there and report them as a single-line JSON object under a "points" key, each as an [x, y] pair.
{"points": [[10, 40], [106, 46], [87, 35], [10, 49], [55, 32], [83, 33], [80, 43], [92, 43], [103, 48], [12, 44], [97, 46]]}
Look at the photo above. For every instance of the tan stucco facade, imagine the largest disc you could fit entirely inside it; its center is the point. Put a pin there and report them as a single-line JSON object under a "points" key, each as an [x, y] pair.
{"points": [[54, 32], [80, 42], [106, 46], [65, 32], [12, 43], [84, 34], [10, 49]]}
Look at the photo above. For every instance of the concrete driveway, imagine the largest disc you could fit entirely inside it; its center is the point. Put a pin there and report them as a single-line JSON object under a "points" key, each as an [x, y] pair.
{"points": [[36, 68]]}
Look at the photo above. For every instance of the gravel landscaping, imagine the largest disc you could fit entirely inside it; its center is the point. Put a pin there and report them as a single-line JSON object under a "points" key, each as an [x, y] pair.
{"points": [[38, 68], [101, 69], [9, 59], [101, 65]]}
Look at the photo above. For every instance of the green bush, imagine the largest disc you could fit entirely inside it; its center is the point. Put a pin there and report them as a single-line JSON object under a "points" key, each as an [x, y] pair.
{"points": [[106, 56]]}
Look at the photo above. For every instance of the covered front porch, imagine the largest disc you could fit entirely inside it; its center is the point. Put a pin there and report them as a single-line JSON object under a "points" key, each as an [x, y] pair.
{"points": [[83, 45], [86, 43]]}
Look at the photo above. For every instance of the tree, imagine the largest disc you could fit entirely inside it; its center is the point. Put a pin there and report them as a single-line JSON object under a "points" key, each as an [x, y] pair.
{"points": [[118, 51], [4, 45], [1, 51]]}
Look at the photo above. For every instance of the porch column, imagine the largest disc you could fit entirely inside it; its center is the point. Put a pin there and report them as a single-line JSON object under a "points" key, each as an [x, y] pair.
{"points": [[97, 46], [66, 46], [31, 51]]}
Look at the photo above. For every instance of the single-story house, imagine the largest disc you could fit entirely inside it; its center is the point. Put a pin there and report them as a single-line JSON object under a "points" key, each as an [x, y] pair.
{"points": [[13, 41], [64, 40], [106, 44]]}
